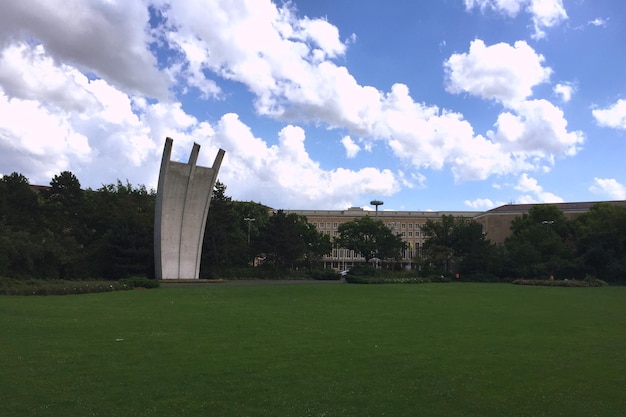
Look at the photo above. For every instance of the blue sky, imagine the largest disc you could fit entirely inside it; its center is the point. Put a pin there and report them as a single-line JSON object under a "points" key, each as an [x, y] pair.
{"points": [[320, 104]]}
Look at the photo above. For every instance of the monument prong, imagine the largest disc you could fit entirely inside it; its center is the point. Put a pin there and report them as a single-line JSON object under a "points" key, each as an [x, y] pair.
{"points": [[182, 205]]}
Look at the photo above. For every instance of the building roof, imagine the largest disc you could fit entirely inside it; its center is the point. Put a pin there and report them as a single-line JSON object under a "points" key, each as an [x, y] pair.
{"points": [[565, 207]]}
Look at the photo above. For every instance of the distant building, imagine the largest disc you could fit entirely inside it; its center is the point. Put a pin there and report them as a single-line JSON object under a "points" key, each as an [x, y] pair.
{"points": [[497, 222], [408, 224], [496, 225]]}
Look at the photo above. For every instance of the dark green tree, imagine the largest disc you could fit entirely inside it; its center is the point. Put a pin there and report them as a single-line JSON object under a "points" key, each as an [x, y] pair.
{"points": [[288, 241], [23, 237], [541, 245], [121, 224], [225, 236], [65, 219], [370, 239], [457, 245], [601, 242]]}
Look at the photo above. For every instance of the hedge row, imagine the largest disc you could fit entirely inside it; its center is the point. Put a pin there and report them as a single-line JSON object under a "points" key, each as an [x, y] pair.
{"points": [[593, 282], [64, 287]]}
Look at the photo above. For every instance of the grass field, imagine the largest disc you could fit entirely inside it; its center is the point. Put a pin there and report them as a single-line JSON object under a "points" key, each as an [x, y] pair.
{"points": [[317, 350]]}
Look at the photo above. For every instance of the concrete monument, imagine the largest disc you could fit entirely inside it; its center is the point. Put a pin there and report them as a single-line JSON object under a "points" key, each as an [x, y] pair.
{"points": [[182, 204]]}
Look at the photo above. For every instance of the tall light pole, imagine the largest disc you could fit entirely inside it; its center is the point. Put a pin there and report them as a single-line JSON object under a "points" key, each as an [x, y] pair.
{"points": [[548, 223], [249, 220], [376, 203]]}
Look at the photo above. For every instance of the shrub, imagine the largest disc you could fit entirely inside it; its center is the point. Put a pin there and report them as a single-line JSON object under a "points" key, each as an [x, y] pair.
{"points": [[57, 287], [140, 282], [362, 270], [591, 282], [325, 274], [391, 279]]}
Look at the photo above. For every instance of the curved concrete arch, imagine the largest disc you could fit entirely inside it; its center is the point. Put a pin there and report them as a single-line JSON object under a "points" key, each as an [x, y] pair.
{"points": [[182, 205]]}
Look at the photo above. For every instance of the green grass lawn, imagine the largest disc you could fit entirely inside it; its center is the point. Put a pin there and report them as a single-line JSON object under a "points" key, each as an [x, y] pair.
{"points": [[317, 350]]}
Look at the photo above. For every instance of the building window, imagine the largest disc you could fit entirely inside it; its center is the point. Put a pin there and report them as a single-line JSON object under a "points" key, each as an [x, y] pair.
{"points": [[334, 233], [410, 234], [410, 225], [403, 226], [417, 226], [321, 225], [328, 225], [335, 225], [417, 234]]}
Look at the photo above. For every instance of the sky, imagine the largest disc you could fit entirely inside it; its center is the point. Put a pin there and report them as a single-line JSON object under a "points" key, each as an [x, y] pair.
{"points": [[445, 105]]}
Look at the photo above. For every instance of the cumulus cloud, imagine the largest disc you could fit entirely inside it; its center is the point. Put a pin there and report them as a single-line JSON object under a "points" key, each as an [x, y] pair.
{"points": [[253, 165], [537, 194], [564, 91], [352, 149], [498, 72], [538, 128], [608, 187], [480, 204], [613, 116], [544, 13], [95, 87], [110, 39]]}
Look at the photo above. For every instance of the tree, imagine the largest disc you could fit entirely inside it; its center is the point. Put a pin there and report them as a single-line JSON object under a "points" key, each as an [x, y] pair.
{"points": [[370, 239], [65, 218], [121, 224], [23, 237], [289, 241], [541, 244], [601, 242], [226, 233], [457, 244]]}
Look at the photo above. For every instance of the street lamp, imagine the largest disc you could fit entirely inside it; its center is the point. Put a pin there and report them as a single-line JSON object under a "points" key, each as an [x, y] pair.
{"points": [[249, 220], [376, 203], [547, 223]]}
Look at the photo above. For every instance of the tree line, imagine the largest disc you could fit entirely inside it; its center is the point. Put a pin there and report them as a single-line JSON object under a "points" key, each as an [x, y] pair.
{"points": [[63, 231], [543, 244]]}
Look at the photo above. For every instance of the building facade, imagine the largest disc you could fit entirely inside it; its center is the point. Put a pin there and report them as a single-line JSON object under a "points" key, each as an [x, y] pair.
{"points": [[496, 225], [407, 224]]}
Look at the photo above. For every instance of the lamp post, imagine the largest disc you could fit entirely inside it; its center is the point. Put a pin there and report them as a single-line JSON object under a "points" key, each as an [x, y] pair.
{"points": [[249, 220], [547, 223], [376, 203]]}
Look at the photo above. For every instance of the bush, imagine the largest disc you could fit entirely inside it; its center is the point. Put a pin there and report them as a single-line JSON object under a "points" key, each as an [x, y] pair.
{"points": [[140, 282], [480, 277], [57, 287], [325, 275], [392, 279], [591, 282], [362, 270]]}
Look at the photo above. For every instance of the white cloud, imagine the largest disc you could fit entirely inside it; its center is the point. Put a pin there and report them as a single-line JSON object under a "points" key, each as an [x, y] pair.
{"points": [[537, 129], [79, 89], [497, 72], [544, 13], [109, 39], [480, 204], [527, 184], [508, 7], [598, 21], [253, 167], [608, 187], [613, 116], [352, 149], [565, 91]]}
